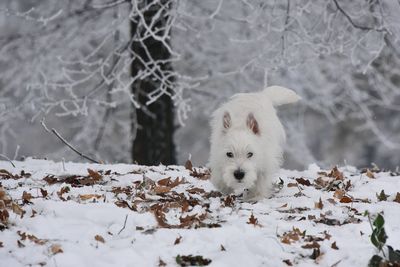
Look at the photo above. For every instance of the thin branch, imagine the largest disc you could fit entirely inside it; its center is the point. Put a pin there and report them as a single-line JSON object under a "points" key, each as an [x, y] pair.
{"points": [[9, 160], [54, 131], [126, 218], [356, 25]]}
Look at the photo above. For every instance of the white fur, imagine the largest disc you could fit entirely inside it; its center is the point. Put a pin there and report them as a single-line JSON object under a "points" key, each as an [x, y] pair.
{"points": [[232, 132]]}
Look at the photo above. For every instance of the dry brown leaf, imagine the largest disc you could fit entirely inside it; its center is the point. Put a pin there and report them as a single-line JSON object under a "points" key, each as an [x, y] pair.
{"points": [[292, 185], [397, 198], [56, 248], [311, 245], [50, 179], [303, 181], [339, 193], [335, 173], [223, 248], [99, 238], [196, 190], [17, 209], [164, 182], [89, 196], [178, 240], [319, 205], [26, 197], [94, 174], [189, 165], [162, 189], [253, 220], [334, 246], [346, 199], [161, 263], [283, 206]]}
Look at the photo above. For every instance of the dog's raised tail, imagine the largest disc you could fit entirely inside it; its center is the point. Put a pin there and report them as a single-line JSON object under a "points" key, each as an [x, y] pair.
{"points": [[280, 95]]}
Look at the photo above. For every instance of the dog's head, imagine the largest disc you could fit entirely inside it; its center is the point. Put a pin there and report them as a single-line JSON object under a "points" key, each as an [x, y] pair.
{"points": [[241, 152]]}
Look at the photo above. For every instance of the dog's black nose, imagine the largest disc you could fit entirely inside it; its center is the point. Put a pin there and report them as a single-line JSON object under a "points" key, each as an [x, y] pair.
{"points": [[239, 174]]}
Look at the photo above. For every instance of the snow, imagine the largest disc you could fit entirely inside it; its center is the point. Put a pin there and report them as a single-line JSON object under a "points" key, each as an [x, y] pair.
{"points": [[72, 221]]}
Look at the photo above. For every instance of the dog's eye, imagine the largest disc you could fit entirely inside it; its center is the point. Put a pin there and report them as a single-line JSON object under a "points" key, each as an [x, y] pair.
{"points": [[229, 154], [249, 155]]}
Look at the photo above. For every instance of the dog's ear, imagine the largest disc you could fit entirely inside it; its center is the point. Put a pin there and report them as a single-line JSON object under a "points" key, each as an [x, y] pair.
{"points": [[226, 120], [252, 123], [280, 95]]}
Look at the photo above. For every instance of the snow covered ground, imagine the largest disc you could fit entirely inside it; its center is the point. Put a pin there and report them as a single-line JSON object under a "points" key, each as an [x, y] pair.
{"points": [[129, 215]]}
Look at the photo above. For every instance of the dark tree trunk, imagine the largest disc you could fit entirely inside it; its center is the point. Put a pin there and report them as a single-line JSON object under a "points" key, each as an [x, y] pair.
{"points": [[153, 125]]}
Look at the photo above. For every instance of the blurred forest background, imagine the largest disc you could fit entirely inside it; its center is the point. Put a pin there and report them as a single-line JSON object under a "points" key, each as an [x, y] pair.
{"points": [[136, 80]]}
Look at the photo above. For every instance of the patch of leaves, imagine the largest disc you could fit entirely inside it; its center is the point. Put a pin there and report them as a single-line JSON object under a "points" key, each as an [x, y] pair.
{"points": [[190, 260], [93, 177], [4, 174], [24, 236], [6, 205]]}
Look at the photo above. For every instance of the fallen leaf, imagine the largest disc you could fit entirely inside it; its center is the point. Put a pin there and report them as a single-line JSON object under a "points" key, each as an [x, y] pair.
{"points": [[178, 240], [196, 190], [43, 192], [94, 174], [89, 196], [283, 206], [334, 246], [223, 248], [288, 262], [17, 209], [311, 217], [161, 263], [292, 185], [311, 245], [316, 253], [56, 248], [50, 179], [339, 193], [303, 181], [335, 173], [319, 205], [397, 198], [189, 165], [162, 189], [164, 182], [253, 220], [346, 199], [26, 197], [99, 238]]}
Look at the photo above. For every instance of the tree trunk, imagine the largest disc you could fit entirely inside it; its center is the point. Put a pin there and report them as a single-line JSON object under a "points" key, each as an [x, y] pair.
{"points": [[152, 125]]}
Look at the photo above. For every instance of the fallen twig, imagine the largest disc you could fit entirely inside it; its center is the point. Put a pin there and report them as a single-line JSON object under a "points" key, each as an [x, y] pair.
{"points": [[66, 142], [9, 160], [126, 218]]}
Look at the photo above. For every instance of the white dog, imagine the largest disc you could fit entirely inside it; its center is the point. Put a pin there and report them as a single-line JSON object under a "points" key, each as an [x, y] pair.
{"points": [[246, 142]]}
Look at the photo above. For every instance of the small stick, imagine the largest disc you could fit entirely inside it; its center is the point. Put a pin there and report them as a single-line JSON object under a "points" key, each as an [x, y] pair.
{"points": [[126, 217], [9, 160], [66, 142]]}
